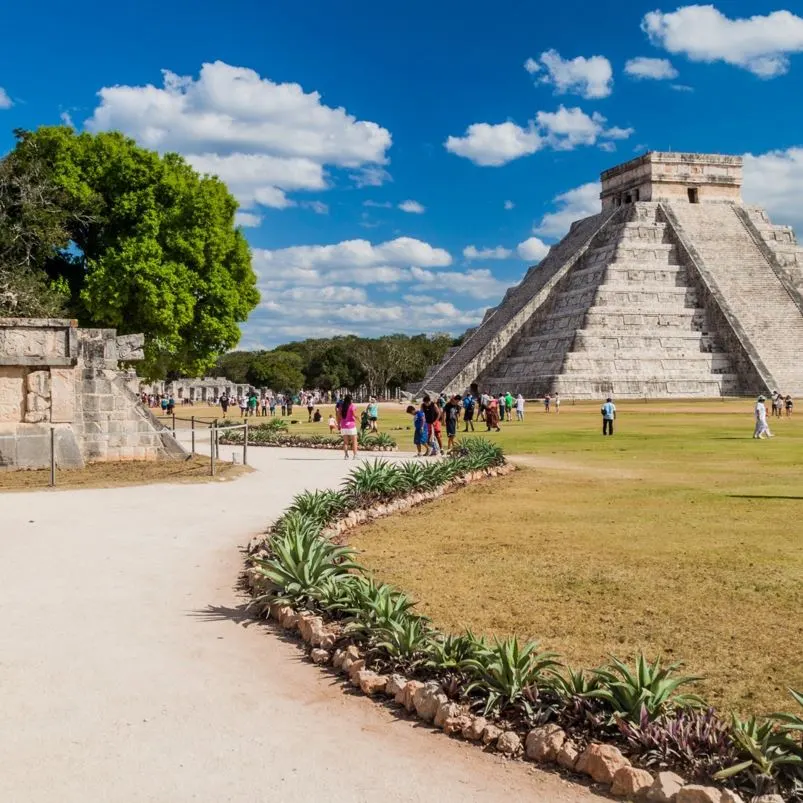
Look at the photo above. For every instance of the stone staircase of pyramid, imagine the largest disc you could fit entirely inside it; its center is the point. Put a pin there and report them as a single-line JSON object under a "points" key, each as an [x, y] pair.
{"points": [[759, 300], [626, 320], [502, 325]]}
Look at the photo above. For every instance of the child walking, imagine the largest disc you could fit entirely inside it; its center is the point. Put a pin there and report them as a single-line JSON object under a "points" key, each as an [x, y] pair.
{"points": [[420, 430]]}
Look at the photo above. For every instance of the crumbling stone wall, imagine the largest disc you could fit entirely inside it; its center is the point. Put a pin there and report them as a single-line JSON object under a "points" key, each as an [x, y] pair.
{"points": [[56, 376]]}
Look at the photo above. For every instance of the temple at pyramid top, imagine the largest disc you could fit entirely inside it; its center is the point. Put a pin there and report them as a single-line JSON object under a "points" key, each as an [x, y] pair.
{"points": [[684, 177], [675, 288]]}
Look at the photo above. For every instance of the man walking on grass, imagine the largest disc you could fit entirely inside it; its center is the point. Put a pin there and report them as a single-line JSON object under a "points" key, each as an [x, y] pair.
{"points": [[608, 416]]}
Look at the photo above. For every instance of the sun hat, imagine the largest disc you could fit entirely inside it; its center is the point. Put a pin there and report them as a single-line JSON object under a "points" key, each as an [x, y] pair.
{"points": [[762, 398]]}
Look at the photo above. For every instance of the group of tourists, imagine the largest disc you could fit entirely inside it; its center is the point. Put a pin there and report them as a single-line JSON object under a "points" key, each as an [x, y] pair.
{"points": [[344, 420]]}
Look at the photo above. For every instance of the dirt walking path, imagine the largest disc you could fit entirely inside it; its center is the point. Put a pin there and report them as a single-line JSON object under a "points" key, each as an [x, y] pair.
{"points": [[127, 673]]}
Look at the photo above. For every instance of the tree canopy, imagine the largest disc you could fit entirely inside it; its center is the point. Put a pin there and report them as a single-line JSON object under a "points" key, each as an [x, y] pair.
{"points": [[339, 362], [125, 238]]}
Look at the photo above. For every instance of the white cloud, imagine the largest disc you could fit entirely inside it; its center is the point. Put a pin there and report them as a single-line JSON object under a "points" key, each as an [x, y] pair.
{"points": [[498, 252], [565, 129], [413, 207], [65, 117], [682, 88], [532, 249], [760, 44], [656, 69], [774, 180], [378, 204], [319, 207], [247, 219], [575, 204], [490, 145], [509, 205], [589, 77], [262, 138], [371, 176], [5, 100]]}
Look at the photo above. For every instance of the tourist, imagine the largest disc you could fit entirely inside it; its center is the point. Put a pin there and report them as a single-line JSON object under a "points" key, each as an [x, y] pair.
{"points": [[243, 406], [264, 406], [224, 404], [557, 403], [788, 404], [364, 420], [332, 423], [163, 405], [253, 401], [451, 414], [777, 404], [310, 407], [492, 415], [171, 405], [347, 422], [484, 399], [289, 403], [468, 411], [316, 417], [420, 430], [547, 401], [762, 428], [608, 416], [272, 405], [373, 414], [432, 413], [520, 407], [509, 406]]}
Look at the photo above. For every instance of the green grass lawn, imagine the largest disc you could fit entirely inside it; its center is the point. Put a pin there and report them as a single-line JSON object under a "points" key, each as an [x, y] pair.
{"points": [[680, 536]]}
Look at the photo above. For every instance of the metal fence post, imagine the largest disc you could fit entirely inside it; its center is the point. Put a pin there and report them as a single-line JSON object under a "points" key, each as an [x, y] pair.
{"points": [[217, 442], [245, 444], [52, 457], [174, 424], [192, 430], [212, 439]]}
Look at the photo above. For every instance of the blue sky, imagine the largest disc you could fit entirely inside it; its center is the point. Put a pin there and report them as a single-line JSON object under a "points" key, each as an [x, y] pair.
{"points": [[398, 166]]}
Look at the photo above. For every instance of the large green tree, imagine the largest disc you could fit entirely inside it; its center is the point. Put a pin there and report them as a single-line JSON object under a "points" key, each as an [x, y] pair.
{"points": [[152, 245]]}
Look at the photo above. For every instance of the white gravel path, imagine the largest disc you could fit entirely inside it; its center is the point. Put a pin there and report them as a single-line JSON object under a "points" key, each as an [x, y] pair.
{"points": [[127, 674]]}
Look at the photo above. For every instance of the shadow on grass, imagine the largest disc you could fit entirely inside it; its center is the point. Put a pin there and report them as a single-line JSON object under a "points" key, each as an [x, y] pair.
{"points": [[763, 496]]}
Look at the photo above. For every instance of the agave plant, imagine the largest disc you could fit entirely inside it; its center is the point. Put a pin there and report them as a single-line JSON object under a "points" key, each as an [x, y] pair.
{"points": [[480, 453], [507, 672], [384, 440], [450, 653], [406, 640], [651, 688], [767, 750], [302, 560], [791, 721], [412, 476], [373, 481], [322, 507], [376, 605]]}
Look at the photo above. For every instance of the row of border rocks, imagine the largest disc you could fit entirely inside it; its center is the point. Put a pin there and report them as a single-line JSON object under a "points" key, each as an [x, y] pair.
{"points": [[330, 446], [544, 745]]}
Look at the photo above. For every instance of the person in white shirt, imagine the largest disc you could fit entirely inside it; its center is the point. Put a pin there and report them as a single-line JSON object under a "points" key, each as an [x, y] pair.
{"points": [[762, 428], [520, 407]]}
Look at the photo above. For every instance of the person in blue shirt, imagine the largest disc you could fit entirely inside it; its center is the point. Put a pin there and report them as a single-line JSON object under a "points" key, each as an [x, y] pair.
{"points": [[468, 412], [420, 429], [608, 416]]}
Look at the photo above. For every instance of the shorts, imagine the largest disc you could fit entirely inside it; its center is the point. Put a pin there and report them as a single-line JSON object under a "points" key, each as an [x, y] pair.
{"points": [[420, 438], [469, 415], [436, 427], [451, 428], [348, 431]]}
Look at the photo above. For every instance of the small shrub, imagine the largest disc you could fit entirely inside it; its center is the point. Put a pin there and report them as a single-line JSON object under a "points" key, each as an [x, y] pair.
{"points": [[373, 481]]}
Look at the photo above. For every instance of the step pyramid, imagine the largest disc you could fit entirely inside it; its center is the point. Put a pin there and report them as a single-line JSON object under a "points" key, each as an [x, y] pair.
{"points": [[675, 289]]}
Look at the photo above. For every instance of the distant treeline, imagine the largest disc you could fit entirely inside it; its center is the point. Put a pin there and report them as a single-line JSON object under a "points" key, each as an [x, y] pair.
{"points": [[339, 362]]}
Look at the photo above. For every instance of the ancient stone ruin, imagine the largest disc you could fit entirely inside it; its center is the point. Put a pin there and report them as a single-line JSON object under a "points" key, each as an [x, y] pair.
{"points": [[55, 375], [676, 288]]}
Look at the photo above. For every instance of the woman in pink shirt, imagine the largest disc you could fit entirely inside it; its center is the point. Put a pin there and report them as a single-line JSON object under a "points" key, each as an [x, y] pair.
{"points": [[347, 421]]}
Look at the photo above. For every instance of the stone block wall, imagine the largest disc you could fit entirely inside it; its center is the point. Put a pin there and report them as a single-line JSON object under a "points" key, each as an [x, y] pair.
{"points": [[55, 376]]}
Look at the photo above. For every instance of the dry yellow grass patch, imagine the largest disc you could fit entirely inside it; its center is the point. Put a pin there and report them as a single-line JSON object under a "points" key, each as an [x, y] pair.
{"points": [[692, 562], [109, 475]]}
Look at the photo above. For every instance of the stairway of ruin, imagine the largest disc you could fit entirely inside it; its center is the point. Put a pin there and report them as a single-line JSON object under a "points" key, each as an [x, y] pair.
{"points": [[766, 309], [625, 321], [502, 325]]}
